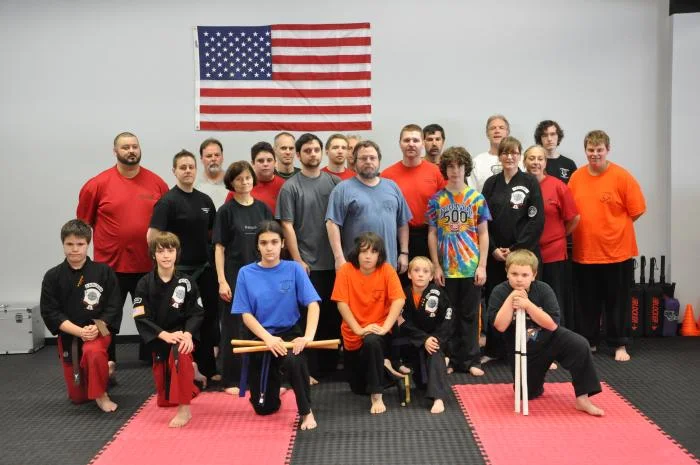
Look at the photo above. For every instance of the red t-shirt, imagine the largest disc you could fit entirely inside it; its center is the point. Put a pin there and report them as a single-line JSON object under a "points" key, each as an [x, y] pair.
{"points": [[368, 296], [347, 174], [266, 192], [119, 210], [559, 207], [418, 184]]}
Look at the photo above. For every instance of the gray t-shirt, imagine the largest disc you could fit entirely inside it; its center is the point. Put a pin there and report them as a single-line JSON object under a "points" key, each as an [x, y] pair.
{"points": [[358, 208], [303, 201]]}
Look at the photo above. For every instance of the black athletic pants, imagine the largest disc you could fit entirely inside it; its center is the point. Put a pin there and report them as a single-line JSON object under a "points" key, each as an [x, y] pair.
{"points": [[209, 334], [365, 367], [127, 285], [558, 276], [324, 362], [463, 347], [572, 352]]}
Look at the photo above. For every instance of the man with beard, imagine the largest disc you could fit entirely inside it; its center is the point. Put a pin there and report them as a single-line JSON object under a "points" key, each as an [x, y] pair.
{"points": [[368, 203], [301, 209], [118, 204], [284, 153], [211, 152], [434, 141], [189, 214]]}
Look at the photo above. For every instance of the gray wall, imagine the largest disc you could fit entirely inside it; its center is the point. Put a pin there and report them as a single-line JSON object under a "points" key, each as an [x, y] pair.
{"points": [[75, 74]]}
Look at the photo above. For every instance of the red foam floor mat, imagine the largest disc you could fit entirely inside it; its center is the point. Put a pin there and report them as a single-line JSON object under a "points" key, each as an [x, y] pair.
{"points": [[223, 430], [556, 433]]}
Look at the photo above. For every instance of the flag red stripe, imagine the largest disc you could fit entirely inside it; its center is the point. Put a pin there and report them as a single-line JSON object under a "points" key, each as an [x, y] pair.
{"points": [[327, 42], [318, 27], [349, 76], [282, 126], [294, 93], [320, 59], [285, 110]]}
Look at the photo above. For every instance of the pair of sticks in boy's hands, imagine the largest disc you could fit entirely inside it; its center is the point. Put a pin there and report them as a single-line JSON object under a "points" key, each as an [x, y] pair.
{"points": [[279, 347]]}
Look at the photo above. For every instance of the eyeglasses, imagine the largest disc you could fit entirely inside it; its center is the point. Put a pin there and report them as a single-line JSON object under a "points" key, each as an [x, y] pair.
{"points": [[511, 154]]}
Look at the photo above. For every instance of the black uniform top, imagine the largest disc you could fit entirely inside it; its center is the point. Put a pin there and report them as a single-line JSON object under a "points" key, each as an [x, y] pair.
{"points": [[92, 292], [433, 317], [171, 306], [517, 211], [235, 228], [539, 294], [190, 215], [561, 168]]}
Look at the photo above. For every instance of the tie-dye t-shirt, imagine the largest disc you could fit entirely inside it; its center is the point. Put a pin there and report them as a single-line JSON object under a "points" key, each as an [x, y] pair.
{"points": [[456, 217]]}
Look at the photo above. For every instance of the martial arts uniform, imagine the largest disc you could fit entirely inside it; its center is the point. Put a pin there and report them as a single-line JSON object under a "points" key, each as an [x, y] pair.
{"points": [[569, 349], [82, 296], [517, 212], [190, 215], [431, 316], [273, 296], [172, 306]]}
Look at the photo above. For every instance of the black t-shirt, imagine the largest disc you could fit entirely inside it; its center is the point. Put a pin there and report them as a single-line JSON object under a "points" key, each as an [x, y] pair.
{"points": [[235, 228], [190, 215], [517, 211], [539, 294], [561, 168]]}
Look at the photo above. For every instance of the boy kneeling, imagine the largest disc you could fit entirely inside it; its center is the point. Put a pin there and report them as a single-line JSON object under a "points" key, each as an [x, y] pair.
{"points": [[80, 302], [546, 340], [168, 313]]}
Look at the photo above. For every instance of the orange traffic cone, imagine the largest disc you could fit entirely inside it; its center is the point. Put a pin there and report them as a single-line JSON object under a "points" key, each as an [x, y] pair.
{"points": [[688, 327]]}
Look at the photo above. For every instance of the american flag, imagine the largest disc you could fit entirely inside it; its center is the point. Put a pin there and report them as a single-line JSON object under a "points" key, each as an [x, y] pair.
{"points": [[293, 77]]}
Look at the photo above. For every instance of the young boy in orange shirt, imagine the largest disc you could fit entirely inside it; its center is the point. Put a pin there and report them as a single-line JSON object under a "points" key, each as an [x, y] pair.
{"points": [[369, 296]]}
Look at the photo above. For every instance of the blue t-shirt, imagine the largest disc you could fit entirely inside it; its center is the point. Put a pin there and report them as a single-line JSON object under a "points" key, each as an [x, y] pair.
{"points": [[273, 295], [358, 208]]}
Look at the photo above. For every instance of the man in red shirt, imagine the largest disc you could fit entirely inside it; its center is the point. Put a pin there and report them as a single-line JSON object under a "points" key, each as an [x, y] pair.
{"points": [[418, 180], [118, 204]]}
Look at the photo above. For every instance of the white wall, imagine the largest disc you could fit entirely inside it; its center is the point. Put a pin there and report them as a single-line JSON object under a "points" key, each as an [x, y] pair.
{"points": [[685, 194], [75, 74]]}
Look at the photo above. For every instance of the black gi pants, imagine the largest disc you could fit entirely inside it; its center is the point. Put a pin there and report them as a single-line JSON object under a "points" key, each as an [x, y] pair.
{"points": [[433, 374], [572, 352], [417, 247], [323, 362], [463, 347], [295, 369], [127, 285], [231, 328], [365, 367], [604, 287], [209, 331]]}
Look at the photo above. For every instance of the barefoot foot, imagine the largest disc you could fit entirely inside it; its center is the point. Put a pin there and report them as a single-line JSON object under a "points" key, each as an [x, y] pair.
{"points": [[233, 390], [476, 371], [621, 354], [182, 417], [390, 369], [486, 359], [308, 422], [377, 404], [450, 370], [553, 366], [584, 404], [105, 403], [312, 381], [482, 340], [199, 377], [404, 370], [216, 378], [594, 349], [438, 406]]}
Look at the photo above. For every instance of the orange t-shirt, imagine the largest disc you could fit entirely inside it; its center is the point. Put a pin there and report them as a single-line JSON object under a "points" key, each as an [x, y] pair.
{"points": [[418, 184], [368, 296], [607, 203]]}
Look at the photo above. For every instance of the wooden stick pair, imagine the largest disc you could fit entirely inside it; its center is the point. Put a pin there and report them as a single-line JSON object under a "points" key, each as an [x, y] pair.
{"points": [[246, 346], [521, 361]]}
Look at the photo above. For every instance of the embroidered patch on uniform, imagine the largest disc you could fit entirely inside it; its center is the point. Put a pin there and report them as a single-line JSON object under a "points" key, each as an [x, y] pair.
{"points": [[199, 302], [138, 311], [532, 211], [448, 313], [92, 296], [178, 296], [285, 285], [186, 282], [517, 198], [205, 210], [137, 300], [496, 169], [431, 305], [564, 172]]}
